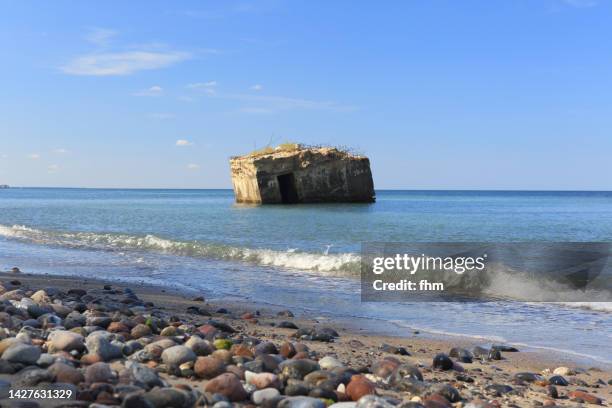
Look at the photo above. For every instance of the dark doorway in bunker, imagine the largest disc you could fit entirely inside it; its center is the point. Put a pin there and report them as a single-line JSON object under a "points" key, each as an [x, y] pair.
{"points": [[286, 185]]}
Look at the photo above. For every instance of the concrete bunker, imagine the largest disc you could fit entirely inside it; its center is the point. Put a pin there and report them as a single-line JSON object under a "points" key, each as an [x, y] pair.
{"points": [[293, 173]]}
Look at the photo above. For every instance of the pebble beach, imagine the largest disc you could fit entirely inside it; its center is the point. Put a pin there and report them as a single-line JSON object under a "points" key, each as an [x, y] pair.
{"points": [[111, 344]]}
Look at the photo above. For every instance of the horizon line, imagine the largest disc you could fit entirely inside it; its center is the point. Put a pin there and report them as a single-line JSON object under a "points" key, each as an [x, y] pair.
{"points": [[380, 189]]}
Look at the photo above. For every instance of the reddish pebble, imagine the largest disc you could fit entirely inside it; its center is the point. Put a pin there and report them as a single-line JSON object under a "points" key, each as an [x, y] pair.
{"points": [[584, 396], [358, 387], [227, 384]]}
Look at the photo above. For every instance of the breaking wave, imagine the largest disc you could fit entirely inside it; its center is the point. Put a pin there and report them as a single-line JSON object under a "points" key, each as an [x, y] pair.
{"points": [[498, 283], [343, 264]]}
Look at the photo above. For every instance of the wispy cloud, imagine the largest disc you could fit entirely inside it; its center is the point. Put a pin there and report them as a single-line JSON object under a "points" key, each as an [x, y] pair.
{"points": [[53, 168], [155, 90], [200, 85], [183, 143], [122, 63], [271, 104], [193, 166], [33, 156], [207, 87], [61, 150], [3, 156], [256, 87], [100, 37], [581, 3], [104, 62]]}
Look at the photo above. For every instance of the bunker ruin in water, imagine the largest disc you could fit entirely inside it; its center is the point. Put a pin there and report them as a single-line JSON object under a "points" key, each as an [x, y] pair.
{"points": [[293, 173]]}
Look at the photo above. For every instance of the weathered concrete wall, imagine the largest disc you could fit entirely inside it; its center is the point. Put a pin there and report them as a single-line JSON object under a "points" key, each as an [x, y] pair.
{"points": [[244, 180], [323, 175]]}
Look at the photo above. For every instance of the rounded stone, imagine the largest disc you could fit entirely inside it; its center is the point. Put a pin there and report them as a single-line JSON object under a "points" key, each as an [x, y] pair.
{"points": [[564, 371], [208, 367], [265, 380], [558, 380], [140, 330], [177, 355], [442, 362], [65, 373], [372, 401], [301, 402], [298, 369], [98, 372], [223, 344], [98, 343], [63, 340], [22, 353], [199, 346], [228, 385], [267, 394], [329, 363], [359, 387]]}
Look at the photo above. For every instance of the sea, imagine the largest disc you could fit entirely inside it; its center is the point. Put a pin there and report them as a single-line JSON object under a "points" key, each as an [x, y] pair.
{"points": [[306, 258]]}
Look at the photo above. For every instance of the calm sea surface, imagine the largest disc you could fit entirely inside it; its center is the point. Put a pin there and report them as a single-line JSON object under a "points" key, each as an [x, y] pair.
{"points": [[306, 257]]}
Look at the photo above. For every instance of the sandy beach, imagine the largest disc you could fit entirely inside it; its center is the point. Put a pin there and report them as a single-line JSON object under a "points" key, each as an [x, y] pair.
{"points": [[373, 364]]}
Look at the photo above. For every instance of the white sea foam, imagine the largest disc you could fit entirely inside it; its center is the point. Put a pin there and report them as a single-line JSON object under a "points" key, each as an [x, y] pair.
{"points": [[596, 306], [340, 264], [499, 282]]}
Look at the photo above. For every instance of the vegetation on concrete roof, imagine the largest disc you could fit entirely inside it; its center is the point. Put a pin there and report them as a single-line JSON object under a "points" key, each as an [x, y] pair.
{"points": [[294, 147]]}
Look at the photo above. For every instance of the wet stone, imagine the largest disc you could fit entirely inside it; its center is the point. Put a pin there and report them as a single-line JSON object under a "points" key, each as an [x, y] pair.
{"points": [[387, 348], [442, 362], [301, 402], [373, 401], [461, 354], [558, 380], [499, 389], [527, 377]]}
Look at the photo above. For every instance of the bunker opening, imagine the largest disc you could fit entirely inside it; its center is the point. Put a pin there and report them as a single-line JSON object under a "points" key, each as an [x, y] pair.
{"points": [[286, 185]]}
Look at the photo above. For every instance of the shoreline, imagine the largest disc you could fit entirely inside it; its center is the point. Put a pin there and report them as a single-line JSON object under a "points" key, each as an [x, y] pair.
{"points": [[539, 357], [504, 377]]}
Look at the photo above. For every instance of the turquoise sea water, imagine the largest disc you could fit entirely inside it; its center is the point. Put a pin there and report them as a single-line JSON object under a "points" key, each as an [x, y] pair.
{"points": [[306, 257]]}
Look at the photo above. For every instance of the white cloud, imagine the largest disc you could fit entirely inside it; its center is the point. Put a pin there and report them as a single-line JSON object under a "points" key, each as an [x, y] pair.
{"points": [[183, 143], [198, 85], [207, 87], [155, 90], [100, 36], [193, 166], [256, 87], [34, 156], [581, 3], [61, 150], [3, 156], [122, 63], [52, 168]]}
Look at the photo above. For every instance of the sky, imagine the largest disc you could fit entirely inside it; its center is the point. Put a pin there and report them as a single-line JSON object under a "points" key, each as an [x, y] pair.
{"points": [[440, 94]]}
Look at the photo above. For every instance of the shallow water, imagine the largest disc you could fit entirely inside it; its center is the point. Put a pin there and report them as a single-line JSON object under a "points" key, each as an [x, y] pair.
{"points": [[306, 257]]}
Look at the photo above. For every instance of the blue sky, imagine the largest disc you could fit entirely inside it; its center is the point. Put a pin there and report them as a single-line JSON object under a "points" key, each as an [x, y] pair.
{"points": [[509, 94]]}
